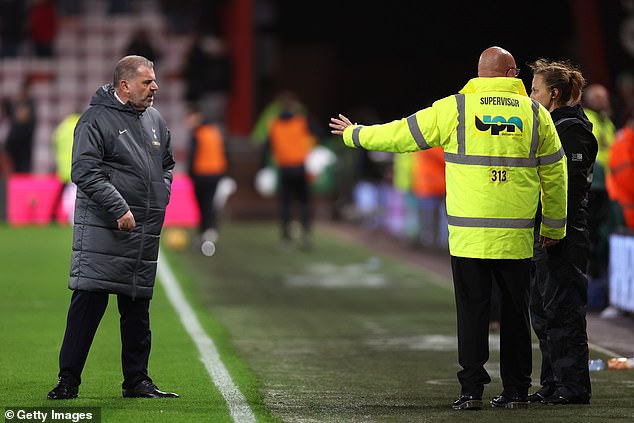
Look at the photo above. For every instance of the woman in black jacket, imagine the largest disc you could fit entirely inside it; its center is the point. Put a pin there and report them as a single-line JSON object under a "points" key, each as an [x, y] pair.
{"points": [[559, 286]]}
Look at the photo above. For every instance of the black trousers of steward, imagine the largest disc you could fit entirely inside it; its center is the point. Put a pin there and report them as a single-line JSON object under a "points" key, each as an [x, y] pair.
{"points": [[559, 294], [473, 280]]}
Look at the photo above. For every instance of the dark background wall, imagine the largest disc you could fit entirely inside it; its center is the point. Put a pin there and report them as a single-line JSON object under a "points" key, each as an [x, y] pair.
{"points": [[397, 56]]}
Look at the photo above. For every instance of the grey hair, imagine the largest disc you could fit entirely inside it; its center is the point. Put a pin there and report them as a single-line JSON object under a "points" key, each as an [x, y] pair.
{"points": [[128, 67]]}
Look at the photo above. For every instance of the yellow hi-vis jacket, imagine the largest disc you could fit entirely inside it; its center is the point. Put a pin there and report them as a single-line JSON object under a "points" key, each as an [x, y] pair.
{"points": [[605, 132], [501, 152], [63, 143]]}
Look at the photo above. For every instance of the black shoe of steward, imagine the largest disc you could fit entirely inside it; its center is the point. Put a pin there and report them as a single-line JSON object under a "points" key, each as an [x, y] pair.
{"points": [[516, 401], [543, 392], [146, 389], [536, 397], [63, 391], [563, 400], [467, 402]]}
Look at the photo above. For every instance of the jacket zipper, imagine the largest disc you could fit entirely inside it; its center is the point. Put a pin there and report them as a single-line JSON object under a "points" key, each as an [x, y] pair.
{"points": [[147, 208]]}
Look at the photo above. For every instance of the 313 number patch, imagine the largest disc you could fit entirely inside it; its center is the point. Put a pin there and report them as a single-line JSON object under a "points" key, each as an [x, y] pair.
{"points": [[498, 175]]}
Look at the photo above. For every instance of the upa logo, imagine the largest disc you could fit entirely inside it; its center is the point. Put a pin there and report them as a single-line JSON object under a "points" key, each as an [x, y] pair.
{"points": [[498, 124]]}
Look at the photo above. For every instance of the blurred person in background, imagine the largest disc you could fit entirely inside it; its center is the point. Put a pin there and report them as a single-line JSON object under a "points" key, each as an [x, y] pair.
{"points": [[207, 164], [43, 26], [403, 179], [559, 286], [372, 171], [63, 146], [208, 76], [13, 27], [620, 181], [290, 139], [429, 187], [598, 108], [624, 98], [495, 172], [122, 166], [22, 116], [604, 216], [140, 44], [260, 132]]}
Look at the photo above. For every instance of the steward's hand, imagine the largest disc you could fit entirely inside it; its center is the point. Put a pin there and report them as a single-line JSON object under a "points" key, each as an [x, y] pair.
{"points": [[126, 222], [339, 125], [547, 242]]}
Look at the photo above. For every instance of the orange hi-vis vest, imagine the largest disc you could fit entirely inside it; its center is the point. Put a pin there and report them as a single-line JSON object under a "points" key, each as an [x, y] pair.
{"points": [[209, 156], [620, 180], [429, 173], [291, 140]]}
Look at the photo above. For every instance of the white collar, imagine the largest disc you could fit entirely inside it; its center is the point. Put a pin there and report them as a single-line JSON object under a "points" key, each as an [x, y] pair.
{"points": [[120, 101]]}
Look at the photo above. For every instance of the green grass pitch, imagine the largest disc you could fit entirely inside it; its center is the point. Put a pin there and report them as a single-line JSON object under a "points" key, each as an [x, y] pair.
{"points": [[339, 334]]}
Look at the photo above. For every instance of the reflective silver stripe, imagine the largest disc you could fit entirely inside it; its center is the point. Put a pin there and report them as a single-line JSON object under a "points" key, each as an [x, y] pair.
{"points": [[355, 137], [460, 130], [490, 222], [504, 161], [554, 223], [531, 161], [412, 123], [490, 160], [562, 120], [551, 158], [535, 137]]}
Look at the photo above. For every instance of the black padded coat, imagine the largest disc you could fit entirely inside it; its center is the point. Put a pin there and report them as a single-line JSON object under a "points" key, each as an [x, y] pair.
{"points": [[122, 160]]}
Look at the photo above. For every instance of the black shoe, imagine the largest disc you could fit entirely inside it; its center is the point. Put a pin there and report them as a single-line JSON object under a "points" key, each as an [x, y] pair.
{"points": [[544, 392], [563, 400], [146, 389], [536, 397], [467, 402], [62, 391], [516, 401]]}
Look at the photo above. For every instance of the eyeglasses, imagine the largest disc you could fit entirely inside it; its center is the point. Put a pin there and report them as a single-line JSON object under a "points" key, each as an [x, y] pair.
{"points": [[516, 71]]}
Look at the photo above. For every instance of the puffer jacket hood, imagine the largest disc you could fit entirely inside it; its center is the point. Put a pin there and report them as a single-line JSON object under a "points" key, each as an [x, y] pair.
{"points": [[105, 96], [122, 160]]}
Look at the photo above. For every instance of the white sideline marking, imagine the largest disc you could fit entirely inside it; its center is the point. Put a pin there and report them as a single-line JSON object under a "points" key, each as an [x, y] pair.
{"points": [[236, 402], [600, 349]]}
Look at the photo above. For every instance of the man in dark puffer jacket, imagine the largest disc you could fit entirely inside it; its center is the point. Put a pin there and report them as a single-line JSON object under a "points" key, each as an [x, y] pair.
{"points": [[122, 166]]}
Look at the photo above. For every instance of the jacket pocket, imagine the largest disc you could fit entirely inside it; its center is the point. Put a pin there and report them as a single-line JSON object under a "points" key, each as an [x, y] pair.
{"points": [[160, 194]]}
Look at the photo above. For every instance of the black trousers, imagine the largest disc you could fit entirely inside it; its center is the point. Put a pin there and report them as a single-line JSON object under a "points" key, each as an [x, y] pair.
{"points": [[84, 315], [473, 279], [294, 188], [205, 189], [559, 293]]}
